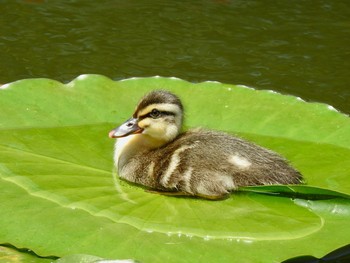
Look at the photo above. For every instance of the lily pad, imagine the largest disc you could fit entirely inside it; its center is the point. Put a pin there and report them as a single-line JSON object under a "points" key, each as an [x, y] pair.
{"points": [[60, 195], [11, 255]]}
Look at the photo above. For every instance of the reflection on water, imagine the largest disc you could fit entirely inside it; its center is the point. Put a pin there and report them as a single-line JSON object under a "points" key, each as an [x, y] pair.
{"points": [[301, 48]]}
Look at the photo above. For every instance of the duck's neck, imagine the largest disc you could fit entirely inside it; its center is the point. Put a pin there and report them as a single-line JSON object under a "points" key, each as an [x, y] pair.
{"points": [[128, 147]]}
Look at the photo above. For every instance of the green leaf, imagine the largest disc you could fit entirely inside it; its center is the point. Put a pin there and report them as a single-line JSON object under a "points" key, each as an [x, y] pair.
{"points": [[80, 258], [61, 197], [11, 255], [295, 191]]}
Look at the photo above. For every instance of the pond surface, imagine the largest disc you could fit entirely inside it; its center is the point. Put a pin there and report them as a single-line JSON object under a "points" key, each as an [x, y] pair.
{"points": [[294, 47]]}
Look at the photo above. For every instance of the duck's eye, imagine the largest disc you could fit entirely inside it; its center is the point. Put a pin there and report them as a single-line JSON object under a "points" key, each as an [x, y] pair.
{"points": [[155, 114]]}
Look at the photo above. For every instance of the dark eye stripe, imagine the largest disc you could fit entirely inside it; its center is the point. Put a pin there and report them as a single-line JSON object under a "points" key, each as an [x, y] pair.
{"points": [[162, 113], [167, 113]]}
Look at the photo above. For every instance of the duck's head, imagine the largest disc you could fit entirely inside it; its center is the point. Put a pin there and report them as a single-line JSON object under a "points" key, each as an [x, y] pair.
{"points": [[158, 116]]}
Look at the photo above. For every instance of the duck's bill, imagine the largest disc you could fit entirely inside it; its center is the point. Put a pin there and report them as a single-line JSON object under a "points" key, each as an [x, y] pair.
{"points": [[127, 128]]}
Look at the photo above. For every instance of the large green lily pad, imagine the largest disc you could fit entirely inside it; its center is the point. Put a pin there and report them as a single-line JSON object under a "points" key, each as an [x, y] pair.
{"points": [[60, 195]]}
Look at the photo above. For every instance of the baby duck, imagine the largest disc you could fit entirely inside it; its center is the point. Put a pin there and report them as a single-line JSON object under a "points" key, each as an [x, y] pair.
{"points": [[151, 150]]}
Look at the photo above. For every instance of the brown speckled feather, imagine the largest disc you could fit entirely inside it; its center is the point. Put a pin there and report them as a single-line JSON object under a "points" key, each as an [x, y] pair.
{"points": [[210, 171]]}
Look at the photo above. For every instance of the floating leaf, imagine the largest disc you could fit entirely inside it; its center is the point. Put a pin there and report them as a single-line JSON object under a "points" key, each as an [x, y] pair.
{"points": [[60, 196], [11, 255]]}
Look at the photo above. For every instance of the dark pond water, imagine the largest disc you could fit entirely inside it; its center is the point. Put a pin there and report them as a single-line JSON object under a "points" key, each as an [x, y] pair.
{"points": [[295, 47]]}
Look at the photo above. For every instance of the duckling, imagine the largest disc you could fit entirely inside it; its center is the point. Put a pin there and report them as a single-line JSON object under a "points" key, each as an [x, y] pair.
{"points": [[152, 151]]}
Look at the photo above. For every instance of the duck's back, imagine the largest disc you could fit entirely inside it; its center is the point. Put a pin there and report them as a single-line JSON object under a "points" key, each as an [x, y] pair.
{"points": [[208, 163]]}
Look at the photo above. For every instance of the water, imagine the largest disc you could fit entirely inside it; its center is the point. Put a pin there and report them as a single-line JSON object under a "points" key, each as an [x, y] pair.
{"points": [[294, 47]]}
